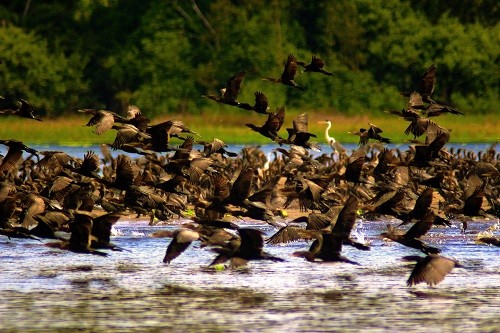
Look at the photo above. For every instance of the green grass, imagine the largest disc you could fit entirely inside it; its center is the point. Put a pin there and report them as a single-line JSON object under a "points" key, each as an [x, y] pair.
{"points": [[228, 125]]}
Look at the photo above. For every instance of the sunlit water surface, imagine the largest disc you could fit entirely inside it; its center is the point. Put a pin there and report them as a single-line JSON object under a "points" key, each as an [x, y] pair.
{"points": [[45, 290]]}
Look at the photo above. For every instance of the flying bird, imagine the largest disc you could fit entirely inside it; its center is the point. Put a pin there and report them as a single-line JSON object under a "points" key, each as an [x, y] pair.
{"points": [[316, 65], [230, 92], [288, 75], [432, 269]]}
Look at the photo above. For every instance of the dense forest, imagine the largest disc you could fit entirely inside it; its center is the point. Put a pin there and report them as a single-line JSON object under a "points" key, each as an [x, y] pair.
{"points": [[162, 55]]}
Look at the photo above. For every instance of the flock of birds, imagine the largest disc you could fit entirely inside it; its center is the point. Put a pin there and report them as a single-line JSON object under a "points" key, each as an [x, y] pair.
{"points": [[74, 202]]}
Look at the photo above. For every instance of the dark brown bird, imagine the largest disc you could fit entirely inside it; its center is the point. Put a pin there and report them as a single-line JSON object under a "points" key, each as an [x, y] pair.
{"points": [[345, 223], [299, 134], [230, 92], [272, 126], [411, 237], [102, 119], [371, 133], [426, 84], [251, 247], [432, 270], [14, 154], [182, 238], [26, 110], [426, 153], [327, 247], [288, 75], [162, 132], [260, 106], [81, 235], [316, 65]]}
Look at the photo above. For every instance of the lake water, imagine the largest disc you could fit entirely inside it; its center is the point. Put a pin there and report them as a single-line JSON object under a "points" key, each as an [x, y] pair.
{"points": [[79, 151], [46, 290], [49, 290]]}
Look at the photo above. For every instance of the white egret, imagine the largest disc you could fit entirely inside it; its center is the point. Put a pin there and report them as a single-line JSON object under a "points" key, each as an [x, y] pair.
{"points": [[336, 146]]}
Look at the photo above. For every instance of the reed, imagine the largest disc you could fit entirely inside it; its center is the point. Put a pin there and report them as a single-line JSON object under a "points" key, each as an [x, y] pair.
{"points": [[229, 126]]}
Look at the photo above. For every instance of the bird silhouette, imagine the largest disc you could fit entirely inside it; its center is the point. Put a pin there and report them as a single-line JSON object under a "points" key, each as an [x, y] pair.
{"points": [[25, 110], [316, 65], [373, 132], [411, 237], [229, 94], [261, 104], [272, 125], [288, 75]]}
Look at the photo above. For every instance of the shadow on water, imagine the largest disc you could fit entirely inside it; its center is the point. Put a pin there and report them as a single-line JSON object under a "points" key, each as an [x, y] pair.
{"points": [[46, 290]]}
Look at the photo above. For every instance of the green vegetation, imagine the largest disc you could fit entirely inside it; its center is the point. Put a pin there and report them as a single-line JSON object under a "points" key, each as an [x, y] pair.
{"points": [[163, 55], [230, 128]]}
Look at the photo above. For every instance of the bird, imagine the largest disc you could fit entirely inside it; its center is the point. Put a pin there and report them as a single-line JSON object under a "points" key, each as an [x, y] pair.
{"points": [[426, 85], [373, 132], [431, 269], [162, 132], [288, 75], [326, 247], [102, 119], [411, 237], [261, 104], [230, 92], [316, 65], [182, 238], [299, 134], [425, 89], [272, 125], [14, 154], [80, 240], [25, 110], [249, 247], [336, 146]]}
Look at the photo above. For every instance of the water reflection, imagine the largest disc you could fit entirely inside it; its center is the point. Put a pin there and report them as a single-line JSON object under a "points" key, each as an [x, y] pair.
{"points": [[45, 289]]}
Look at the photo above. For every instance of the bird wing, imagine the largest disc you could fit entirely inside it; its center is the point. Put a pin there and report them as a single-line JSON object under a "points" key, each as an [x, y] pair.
{"points": [[90, 163], [301, 122], [317, 62], [242, 186], [233, 86], [421, 227], [251, 242], [261, 103], [10, 160], [347, 218], [80, 228], [431, 269], [288, 234], [103, 120], [124, 172], [428, 81], [290, 69], [423, 203], [221, 188], [181, 241], [101, 227]]}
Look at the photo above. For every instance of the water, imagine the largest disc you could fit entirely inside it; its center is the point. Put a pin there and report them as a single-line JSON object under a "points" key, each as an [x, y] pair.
{"points": [[78, 151], [46, 290]]}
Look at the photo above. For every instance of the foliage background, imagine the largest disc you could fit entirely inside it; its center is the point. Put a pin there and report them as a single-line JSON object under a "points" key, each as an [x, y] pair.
{"points": [[163, 55]]}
